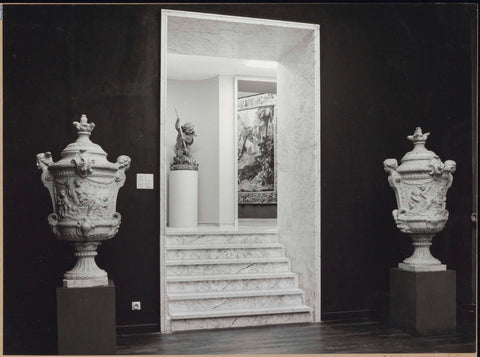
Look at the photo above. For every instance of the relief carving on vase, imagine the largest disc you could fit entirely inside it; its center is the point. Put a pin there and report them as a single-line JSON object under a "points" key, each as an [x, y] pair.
{"points": [[78, 198]]}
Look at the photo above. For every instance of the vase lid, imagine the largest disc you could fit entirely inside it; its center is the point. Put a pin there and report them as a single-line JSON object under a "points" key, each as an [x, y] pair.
{"points": [[417, 159], [83, 145]]}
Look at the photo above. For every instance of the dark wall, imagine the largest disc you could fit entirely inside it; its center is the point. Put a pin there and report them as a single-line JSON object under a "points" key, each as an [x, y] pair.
{"points": [[257, 211], [385, 69], [60, 62]]}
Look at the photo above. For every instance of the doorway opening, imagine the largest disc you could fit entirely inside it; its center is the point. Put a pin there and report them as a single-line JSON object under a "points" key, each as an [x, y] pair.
{"points": [[223, 44], [256, 115]]}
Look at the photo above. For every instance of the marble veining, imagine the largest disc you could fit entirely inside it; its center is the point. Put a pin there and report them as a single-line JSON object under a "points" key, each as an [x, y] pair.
{"points": [[298, 166], [218, 269], [240, 321], [233, 303], [201, 37], [222, 253], [222, 239], [222, 284], [264, 283]]}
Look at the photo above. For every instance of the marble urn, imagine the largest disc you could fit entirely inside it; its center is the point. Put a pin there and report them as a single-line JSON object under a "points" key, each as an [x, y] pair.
{"points": [[420, 183], [83, 186]]}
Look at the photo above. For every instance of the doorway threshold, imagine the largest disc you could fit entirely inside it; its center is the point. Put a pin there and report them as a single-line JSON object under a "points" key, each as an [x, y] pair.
{"points": [[245, 226]]}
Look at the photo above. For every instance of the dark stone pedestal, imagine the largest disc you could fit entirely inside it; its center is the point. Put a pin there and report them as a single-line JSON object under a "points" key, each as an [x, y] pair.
{"points": [[86, 320], [423, 302]]}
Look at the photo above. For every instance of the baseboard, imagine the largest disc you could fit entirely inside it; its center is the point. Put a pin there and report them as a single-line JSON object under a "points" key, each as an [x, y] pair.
{"points": [[466, 313], [137, 329], [350, 315]]}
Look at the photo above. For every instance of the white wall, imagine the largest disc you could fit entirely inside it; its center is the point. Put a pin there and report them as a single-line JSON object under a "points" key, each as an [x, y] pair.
{"points": [[227, 154], [208, 104]]}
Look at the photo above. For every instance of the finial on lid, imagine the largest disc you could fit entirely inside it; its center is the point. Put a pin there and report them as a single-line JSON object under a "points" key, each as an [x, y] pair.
{"points": [[418, 136], [83, 126]]}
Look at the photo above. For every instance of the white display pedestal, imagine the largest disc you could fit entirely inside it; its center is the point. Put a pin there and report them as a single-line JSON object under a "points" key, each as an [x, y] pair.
{"points": [[183, 198]]}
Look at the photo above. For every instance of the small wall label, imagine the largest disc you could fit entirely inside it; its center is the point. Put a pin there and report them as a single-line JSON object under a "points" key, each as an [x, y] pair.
{"points": [[145, 181]]}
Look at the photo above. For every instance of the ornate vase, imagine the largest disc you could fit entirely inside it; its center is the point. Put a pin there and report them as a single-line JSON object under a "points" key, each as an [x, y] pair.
{"points": [[83, 186], [420, 183]]}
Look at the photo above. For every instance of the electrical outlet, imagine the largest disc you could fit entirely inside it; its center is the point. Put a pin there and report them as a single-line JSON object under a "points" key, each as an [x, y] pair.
{"points": [[136, 305]]}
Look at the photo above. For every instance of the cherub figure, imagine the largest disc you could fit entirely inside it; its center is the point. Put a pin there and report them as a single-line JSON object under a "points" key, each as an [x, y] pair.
{"points": [[185, 138]]}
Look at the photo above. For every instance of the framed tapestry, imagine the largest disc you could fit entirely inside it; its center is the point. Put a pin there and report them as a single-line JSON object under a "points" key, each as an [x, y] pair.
{"points": [[257, 129]]}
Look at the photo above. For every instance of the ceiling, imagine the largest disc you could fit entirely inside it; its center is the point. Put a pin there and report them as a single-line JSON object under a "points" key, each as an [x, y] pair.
{"points": [[201, 46], [192, 67], [226, 36]]}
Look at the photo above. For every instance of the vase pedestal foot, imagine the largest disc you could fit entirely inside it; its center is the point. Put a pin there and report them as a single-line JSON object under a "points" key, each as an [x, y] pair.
{"points": [[86, 320], [85, 273], [424, 268], [423, 302], [422, 259], [86, 283]]}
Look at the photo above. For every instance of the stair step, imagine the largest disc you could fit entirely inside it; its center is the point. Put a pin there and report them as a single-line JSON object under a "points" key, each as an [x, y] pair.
{"points": [[230, 279], [229, 301], [288, 317], [185, 284], [201, 320], [239, 312], [195, 278], [219, 251], [224, 246], [234, 294], [237, 238], [226, 261], [227, 266], [222, 230]]}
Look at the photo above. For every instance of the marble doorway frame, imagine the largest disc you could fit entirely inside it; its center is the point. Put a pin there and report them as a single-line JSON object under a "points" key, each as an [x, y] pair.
{"points": [[298, 91]]}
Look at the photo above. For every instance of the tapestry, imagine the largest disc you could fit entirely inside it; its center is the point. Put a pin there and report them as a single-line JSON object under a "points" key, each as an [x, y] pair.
{"points": [[257, 149]]}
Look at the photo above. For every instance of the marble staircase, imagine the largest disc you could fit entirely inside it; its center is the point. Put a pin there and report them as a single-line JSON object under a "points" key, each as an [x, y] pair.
{"points": [[230, 279]]}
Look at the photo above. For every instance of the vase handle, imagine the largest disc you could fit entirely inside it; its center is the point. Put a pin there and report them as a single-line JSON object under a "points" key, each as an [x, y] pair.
{"points": [[123, 162], [44, 160]]}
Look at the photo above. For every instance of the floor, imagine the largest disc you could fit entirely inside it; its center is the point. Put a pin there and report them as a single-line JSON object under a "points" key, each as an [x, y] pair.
{"points": [[360, 336]]}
